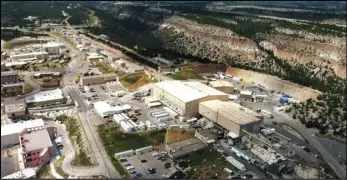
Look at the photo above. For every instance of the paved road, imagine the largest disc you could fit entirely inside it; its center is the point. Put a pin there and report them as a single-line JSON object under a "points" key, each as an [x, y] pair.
{"points": [[104, 166]]}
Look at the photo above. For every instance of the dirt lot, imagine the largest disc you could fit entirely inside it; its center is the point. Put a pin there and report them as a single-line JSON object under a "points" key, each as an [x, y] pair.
{"points": [[174, 135]]}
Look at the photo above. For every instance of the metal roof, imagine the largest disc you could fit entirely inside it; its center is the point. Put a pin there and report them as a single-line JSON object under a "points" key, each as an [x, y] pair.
{"points": [[188, 91], [15, 128], [221, 83], [232, 111]]}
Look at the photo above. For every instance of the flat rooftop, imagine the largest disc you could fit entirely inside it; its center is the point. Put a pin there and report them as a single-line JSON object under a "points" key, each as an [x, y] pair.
{"points": [[221, 83], [46, 96], [37, 140], [15, 128], [16, 106], [12, 85], [233, 111], [187, 91], [100, 76], [186, 146], [8, 73], [207, 133]]}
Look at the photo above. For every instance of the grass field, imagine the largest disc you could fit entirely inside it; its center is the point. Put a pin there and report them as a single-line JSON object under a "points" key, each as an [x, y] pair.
{"points": [[105, 68], [57, 166], [73, 127], [45, 173], [115, 140], [27, 88], [208, 165], [187, 73], [134, 81], [174, 135]]}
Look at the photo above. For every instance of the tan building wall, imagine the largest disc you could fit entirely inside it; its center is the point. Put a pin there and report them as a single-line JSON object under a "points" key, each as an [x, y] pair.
{"points": [[188, 109], [98, 79], [225, 89], [228, 124], [15, 114], [192, 108]]}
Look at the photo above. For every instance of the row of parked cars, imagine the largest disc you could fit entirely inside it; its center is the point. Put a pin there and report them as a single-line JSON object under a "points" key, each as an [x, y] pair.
{"points": [[131, 168]]}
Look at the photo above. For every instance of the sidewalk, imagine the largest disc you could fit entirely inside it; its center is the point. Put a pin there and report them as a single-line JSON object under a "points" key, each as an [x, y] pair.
{"points": [[53, 172]]}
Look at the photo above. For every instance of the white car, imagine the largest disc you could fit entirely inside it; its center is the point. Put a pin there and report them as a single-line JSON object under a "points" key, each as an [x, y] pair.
{"points": [[155, 154], [130, 168]]}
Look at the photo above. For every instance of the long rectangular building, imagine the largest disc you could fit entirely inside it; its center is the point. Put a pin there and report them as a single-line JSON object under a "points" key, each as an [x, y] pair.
{"points": [[184, 96], [230, 116]]}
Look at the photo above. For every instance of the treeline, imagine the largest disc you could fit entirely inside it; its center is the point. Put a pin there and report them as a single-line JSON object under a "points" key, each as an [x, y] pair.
{"points": [[312, 16], [9, 34], [14, 12]]}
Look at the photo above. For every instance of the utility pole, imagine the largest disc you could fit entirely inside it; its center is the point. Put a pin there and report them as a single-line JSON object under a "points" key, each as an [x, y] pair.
{"points": [[41, 49]]}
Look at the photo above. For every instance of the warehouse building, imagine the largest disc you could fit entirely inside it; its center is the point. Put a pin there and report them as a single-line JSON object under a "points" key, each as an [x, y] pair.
{"points": [[29, 56], [185, 148], [45, 97], [224, 86], [184, 96], [231, 116], [10, 132], [98, 79], [105, 109]]}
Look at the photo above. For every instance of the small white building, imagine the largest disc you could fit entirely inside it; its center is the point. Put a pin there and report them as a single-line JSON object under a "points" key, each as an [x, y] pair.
{"points": [[104, 109], [51, 48]]}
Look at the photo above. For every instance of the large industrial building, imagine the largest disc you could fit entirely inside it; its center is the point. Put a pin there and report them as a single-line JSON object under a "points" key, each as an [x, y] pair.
{"points": [[231, 116], [184, 97], [224, 86]]}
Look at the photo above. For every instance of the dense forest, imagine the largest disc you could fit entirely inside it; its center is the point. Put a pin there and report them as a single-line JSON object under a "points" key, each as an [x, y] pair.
{"points": [[9, 34]]}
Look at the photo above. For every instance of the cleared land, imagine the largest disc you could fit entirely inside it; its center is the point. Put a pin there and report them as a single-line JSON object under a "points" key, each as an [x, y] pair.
{"points": [[73, 127], [134, 81], [186, 73], [174, 135]]}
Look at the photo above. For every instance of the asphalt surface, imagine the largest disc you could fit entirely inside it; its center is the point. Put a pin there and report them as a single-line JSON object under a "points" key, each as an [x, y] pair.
{"points": [[104, 165]]}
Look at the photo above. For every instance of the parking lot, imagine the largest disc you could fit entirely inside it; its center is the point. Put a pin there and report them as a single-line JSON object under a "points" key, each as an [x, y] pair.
{"points": [[151, 162]]}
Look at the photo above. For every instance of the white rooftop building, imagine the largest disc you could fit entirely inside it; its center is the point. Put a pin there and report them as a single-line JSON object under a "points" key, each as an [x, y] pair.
{"points": [[10, 132], [184, 96], [104, 109], [45, 97]]}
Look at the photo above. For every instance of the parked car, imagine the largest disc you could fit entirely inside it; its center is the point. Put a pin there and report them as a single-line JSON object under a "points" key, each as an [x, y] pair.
{"points": [[133, 172], [151, 170], [167, 165], [123, 160], [127, 164], [138, 175], [305, 148], [143, 160], [130, 168]]}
